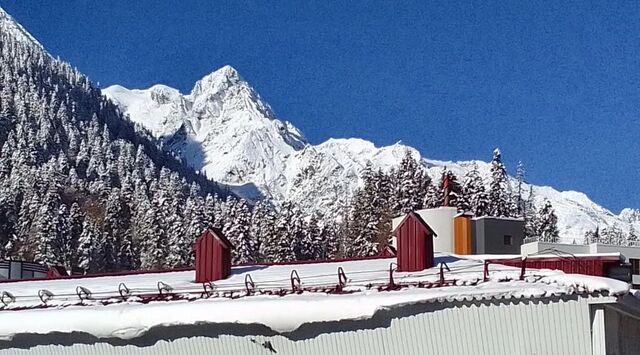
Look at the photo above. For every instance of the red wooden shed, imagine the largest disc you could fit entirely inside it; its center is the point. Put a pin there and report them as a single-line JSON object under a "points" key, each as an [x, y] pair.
{"points": [[213, 256], [414, 240]]}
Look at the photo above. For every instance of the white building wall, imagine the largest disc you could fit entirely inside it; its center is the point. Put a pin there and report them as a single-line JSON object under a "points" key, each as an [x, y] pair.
{"points": [[594, 248], [547, 326], [441, 221], [546, 248], [627, 252]]}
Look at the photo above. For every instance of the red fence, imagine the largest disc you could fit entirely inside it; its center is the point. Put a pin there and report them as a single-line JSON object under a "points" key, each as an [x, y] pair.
{"points": [[586, 265]]}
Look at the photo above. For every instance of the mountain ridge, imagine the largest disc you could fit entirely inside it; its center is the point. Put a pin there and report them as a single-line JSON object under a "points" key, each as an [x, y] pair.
{"points": [[321, 176]]}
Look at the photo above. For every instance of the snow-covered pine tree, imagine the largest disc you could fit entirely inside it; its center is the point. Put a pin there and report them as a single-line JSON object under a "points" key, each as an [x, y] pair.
{"points": [[75, 222], [153, 251], [520, 178], [632, 237], [370, 218], [613, 235], [8, 217], [312, 242], [174, 213], [59, 247], [434, 197], [329, 234], [209, 210], [410, 185], [500, 197], [289, 228], [194, 220], [474, 197], [117, 249], [88, 247], [46, 236], [237, 230], [263, 229], [547, 225], [530, 215], [592, 236]]}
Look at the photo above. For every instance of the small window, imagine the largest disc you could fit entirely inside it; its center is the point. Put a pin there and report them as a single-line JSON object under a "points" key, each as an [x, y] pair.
{"points": [[508, 240], [635, 266]]}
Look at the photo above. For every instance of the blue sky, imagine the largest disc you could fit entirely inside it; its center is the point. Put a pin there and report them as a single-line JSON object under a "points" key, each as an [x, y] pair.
{"points": [[554, 85]]}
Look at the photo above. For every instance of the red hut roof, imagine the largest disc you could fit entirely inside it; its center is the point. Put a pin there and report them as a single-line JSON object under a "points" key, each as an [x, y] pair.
{"points": [[419, 219], [216, 233]]}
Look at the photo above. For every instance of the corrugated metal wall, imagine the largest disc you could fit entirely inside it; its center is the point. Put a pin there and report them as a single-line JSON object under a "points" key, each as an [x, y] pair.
{"points": [[489, 327]]}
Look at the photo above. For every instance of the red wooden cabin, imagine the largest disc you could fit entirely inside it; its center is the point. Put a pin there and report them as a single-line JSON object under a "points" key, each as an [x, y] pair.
{"points": [[414, 239], [213, 256]]}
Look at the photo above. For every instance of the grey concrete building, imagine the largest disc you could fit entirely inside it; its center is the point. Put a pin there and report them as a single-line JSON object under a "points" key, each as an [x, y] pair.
{"points": [[497, 235]]}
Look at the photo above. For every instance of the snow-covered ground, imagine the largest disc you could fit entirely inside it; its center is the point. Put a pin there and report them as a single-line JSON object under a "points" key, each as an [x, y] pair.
{"points": [[225, 130], [107, 315]]}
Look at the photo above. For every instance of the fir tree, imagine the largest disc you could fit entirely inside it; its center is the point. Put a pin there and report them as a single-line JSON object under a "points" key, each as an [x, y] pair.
{"points": [[263, 229], [632, 237], [312, 242], [370, 218], [474, 196], [530, 215], [237, 230], [547, 225], [520, 202], [410, 184], [46, 237], [500, 199], [75, 222], [592, 236], [613, 235], [88, 248]]}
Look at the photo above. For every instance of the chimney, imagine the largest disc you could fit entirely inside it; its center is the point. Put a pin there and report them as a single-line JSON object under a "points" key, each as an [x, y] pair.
{"points": [[414, 240], [446, 187], [213, 256]]}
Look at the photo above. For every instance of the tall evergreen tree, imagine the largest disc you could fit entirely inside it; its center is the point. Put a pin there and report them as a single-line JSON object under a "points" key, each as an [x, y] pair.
{"points": [[312, 242], [237, 230], [370, 218], [500, 199], [410, 184], [632, 237], [263, 230], [75, 222], [613, 235], [592, 236], [547, 225], [520, 177], [89, 248]]}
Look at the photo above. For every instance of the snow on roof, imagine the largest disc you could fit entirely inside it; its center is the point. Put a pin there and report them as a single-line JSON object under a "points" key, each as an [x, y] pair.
{"points": [[272, 302], [615, 255], [520, 219]]}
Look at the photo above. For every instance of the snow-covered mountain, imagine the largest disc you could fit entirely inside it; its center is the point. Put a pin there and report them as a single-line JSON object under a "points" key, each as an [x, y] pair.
{"points": [[225, 130]]}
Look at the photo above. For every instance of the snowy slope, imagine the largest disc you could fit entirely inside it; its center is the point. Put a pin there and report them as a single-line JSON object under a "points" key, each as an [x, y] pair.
{"points": [[9, 26], [225, 130]]}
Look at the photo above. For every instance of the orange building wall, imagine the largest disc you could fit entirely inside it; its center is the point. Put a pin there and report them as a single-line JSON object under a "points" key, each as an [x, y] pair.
{"points": [[462, 235]]}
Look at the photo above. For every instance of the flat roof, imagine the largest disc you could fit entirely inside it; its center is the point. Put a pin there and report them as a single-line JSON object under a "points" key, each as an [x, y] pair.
{"points": [[266, 294]]}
